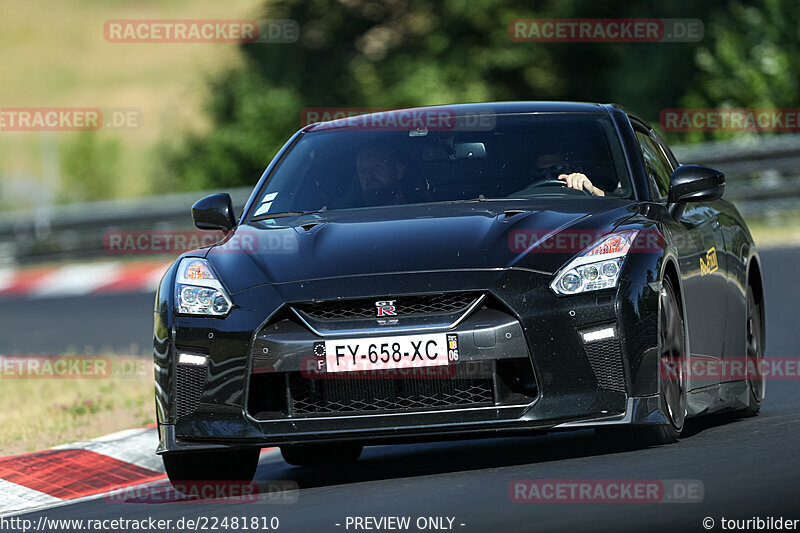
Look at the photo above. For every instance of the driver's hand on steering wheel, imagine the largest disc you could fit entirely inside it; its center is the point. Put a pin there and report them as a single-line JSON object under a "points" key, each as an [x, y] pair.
{"points": [[579, 181]]}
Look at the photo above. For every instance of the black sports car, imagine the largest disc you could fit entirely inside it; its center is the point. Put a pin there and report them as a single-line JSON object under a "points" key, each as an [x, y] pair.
{"points": [[455, 272]]}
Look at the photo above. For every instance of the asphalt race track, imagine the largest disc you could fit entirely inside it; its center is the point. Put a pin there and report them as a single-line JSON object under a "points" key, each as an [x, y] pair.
{"points": [[100, 323], [748, 467]]}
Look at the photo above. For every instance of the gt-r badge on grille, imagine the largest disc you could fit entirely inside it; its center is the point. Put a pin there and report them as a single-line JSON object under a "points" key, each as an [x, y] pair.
{"points": [[386, 308]]}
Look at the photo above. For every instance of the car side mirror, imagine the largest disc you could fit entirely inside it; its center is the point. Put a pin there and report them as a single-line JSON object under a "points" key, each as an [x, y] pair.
{"points": [[695, 183], [214, 212]]}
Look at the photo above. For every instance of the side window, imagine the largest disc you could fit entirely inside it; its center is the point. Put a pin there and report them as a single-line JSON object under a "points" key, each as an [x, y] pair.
{"points": [[664, 149], [658, 168]]}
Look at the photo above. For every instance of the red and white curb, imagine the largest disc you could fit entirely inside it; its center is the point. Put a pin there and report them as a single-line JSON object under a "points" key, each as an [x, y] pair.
{"points": [[82, 471], [79, 470], [81, 279]]}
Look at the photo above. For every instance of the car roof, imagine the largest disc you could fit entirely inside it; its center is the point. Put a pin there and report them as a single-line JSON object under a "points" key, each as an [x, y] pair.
{"points": [[490, 108]]}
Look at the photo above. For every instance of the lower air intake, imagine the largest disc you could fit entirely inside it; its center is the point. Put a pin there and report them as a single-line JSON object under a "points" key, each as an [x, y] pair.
{"points": [[190, 381], [606, 360], [363, 395]]}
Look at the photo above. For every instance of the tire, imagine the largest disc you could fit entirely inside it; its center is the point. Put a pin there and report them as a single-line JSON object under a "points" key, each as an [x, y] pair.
{"points": [[237, 466], [321, 454], [671, 380], [756, 380]]}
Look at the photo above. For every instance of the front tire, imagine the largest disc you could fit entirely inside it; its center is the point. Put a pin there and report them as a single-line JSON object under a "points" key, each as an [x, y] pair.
{"points": [[672, 364], [756, 379], [237, 466], [671, 380]]}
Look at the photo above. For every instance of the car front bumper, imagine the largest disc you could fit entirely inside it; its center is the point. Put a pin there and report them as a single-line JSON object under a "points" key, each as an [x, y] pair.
{"points": [[576, 385]]}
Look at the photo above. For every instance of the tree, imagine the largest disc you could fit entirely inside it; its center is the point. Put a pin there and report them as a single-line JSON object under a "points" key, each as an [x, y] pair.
{"points": [[750, 59], [397, 53]]}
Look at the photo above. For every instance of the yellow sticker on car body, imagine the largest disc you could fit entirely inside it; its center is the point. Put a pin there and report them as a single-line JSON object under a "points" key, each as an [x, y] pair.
{"points": [[709, 265]]}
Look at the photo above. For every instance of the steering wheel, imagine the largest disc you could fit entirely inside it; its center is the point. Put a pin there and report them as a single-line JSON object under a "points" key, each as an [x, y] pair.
{"points": [[559, 183]]}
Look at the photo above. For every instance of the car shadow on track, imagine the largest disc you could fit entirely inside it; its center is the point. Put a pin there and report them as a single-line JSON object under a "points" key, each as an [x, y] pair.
{"points": [[412, 460]]}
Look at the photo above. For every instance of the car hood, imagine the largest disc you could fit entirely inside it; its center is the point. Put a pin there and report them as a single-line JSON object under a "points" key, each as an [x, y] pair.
{"points": [[433, 237]]}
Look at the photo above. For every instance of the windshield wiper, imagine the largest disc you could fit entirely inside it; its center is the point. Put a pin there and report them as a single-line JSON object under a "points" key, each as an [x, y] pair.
{"points": [[284, 214], [480, 198]]}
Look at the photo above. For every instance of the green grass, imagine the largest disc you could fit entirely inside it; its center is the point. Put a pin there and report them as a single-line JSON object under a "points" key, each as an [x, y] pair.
{"points": [[767, 236], [54, 54], [41, 412]]}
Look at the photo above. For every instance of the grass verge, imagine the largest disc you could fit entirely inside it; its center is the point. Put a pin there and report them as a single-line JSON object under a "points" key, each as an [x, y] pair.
{"points": [[770, 236], [42, 411]]}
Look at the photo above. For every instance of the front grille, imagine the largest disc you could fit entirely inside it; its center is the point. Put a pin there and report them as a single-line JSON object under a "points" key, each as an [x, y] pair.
{"points": [[606, 360], [363, 395], [426, 304], [190, 381]]}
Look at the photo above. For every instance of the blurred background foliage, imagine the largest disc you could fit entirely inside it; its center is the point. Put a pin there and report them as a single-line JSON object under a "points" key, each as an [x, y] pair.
{"points": [[365, 53], [226, 109], [90, 164]]}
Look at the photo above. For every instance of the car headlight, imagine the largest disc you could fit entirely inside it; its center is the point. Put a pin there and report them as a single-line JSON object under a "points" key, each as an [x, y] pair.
{"points": [[597, 267], [198, 291]]}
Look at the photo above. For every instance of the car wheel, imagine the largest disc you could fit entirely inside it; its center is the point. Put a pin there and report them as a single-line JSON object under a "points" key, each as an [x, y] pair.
{"points": [[321, 454], [225, 465], [671, 379], [756, 380]]}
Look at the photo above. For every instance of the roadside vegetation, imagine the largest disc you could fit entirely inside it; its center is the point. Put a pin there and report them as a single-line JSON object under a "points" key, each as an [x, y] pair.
{"points": [[363, 54], [214, 113], [57, 56], [41, 412]]}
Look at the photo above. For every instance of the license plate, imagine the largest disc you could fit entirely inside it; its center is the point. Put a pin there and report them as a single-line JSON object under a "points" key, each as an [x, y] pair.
{"points": [[383, 353]]}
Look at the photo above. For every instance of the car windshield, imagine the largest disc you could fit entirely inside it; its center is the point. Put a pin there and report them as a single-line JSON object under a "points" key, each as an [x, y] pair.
{"points": [[507, 156]]}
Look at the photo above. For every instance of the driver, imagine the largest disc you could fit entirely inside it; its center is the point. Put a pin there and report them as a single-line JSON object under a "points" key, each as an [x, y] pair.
{"points": [[553, 166], [380, 173]]}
